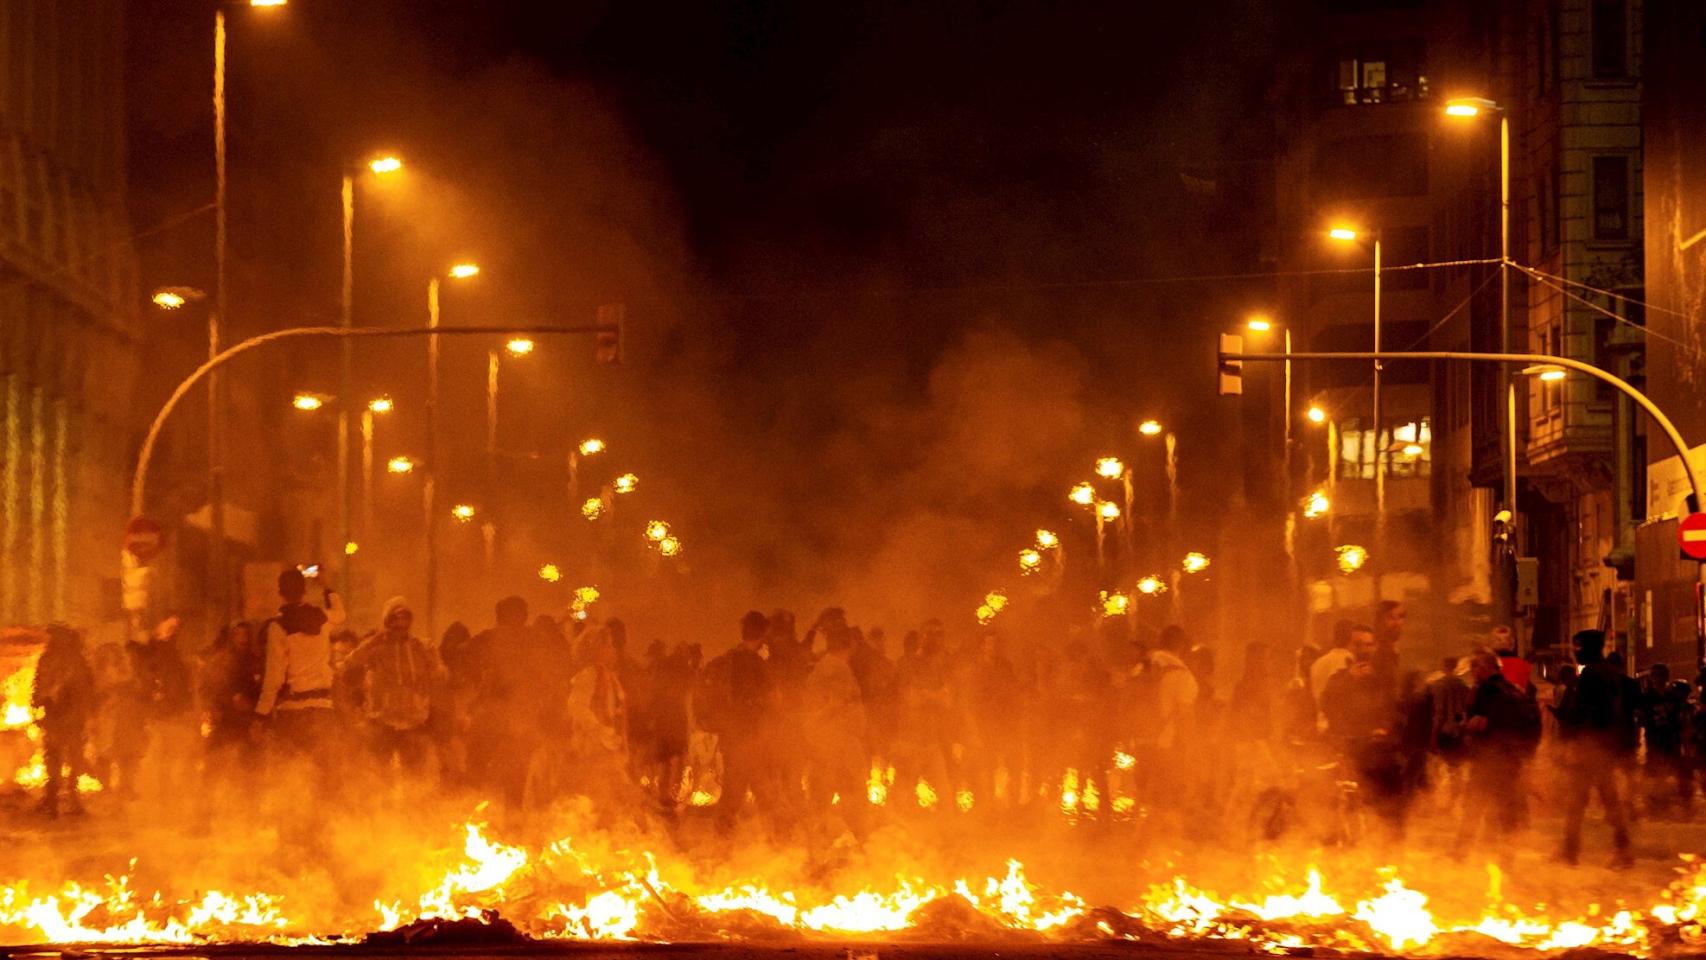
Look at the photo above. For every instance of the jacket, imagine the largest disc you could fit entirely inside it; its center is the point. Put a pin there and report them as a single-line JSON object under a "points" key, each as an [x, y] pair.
{"points": [[396, 679], [298, 673]]}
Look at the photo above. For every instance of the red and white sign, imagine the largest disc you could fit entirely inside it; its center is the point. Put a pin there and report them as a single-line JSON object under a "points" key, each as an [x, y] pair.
{"points": [[1691, 535], [143, 538]]}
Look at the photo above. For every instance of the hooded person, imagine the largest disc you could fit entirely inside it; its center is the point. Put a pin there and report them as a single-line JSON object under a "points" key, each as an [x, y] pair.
{"points": [[396, 679], [296, 682]]}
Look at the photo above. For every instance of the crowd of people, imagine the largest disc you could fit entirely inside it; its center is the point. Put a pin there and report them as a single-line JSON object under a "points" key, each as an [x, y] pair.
{"points": [[826, 722]]}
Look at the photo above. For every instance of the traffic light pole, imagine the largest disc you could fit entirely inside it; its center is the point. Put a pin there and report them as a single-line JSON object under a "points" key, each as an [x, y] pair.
{"points": [[1231, 358]]}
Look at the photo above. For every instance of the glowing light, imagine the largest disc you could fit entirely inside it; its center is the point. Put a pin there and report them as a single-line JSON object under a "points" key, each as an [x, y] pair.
{"points": [[1114, 604], [1194, 562], [670, 546], [1047, 540], [1260, 324], [1316, 505], [1316, 415], [267, 3], [656, 531], [586, 594], [1351, 557], [519, 347], [1150, 428], [1554, 375], [169, 300], [549, 573], [926, 794], [350, 548], [1082, 494], [626, 483], [380, 405], [1151, 586], [385, 164], [1030, 561], [1343, 233], [1412, 449], [593, 508], [464, 271], [463, 512], [985, 613], [1124, 761], [591, 446], [1109, 467], [400, 465], [1468, 107], [307, 401], [996, 600], [1108, 510]]}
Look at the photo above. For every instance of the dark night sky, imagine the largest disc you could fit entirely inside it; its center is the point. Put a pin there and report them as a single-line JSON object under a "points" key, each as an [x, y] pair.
{"points": [[833, 223]]}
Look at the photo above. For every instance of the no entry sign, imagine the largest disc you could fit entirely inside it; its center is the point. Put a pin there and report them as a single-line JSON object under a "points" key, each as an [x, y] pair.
{"points": [[1691, 535]]}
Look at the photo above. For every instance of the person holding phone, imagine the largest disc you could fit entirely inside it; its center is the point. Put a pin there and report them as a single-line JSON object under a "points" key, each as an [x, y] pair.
{"points": [[296, 683]]}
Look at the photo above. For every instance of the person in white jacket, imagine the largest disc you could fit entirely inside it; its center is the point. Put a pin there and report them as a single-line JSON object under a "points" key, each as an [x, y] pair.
{"points": [[296, 683]]}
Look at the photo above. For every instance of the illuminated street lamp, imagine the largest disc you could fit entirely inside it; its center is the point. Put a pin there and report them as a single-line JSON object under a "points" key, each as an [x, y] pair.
{"points": [[1109, 468], [462, 512], [591, 446], [670, 546], [377, 405], [385, 164], [429, 500], [593, 508], [400, 465], [1547, 373], [1108, 510], [464, 271], [380, 405], [1259, 324], [1316, 415], [549, 573], [1194, 562], [1047, 540], [1030, 561], [1351, 557], [303, 400], [1316, 504], [350, 548], [1150, 428], [1082, 494], [1114, 604], [1151, 586], [1343, 233], [626, 483], [1347, 233], [519, 346], [657, 531]]}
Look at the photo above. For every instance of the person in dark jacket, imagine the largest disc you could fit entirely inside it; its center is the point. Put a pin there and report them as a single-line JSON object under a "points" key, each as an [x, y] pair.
{"points": [[520, 698], [1498, 733], [1595, 718], [65, 694], [740, 708]]}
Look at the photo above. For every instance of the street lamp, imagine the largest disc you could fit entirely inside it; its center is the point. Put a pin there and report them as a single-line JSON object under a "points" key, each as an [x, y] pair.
{"points": [[626, 483], [429, 489], [1316, 415], [305, 401], [1150, 428], [376, 406], [462, 512], [464, 271], [1470, 108], [1082, 494], [1348, 234], [385, 164], [400, 464]]}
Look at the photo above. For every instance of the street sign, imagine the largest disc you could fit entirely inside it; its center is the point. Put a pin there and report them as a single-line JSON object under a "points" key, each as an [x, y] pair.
{"points": [[143, 538], [1691, 536]]}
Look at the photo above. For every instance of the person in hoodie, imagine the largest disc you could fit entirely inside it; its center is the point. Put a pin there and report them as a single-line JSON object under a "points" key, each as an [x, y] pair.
{"points": [[395, 679], [65, 694], [296, 681]]}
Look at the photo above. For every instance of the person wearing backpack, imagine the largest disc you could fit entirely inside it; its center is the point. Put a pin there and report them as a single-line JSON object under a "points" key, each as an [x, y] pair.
{"points": [[1501, 729], [1594, 719]]}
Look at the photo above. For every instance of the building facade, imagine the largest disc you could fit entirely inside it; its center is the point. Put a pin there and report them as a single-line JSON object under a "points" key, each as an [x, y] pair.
{"points": [[68, 321]]}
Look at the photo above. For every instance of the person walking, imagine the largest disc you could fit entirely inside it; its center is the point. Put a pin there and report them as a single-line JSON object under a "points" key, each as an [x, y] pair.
{"points": [[1501, 730], [64, 692], [736, 700], [835, 731]]}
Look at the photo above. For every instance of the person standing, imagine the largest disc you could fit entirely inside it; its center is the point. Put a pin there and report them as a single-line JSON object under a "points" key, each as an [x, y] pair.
{"points": [[1363, 720], [1501, 728], [1337, 658], [736, 700], [1595, 720], [65, 694], [395, 679], [835, 730], [296, 681], [598, 721]]}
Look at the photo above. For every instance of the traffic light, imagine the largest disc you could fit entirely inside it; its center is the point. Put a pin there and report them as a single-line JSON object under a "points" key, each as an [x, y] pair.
{"points": [[1231, 371], [610, 343]]}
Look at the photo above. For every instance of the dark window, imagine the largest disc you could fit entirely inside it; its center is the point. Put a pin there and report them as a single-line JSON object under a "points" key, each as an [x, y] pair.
{"points": [[1610, 198], [1610, 39]]}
